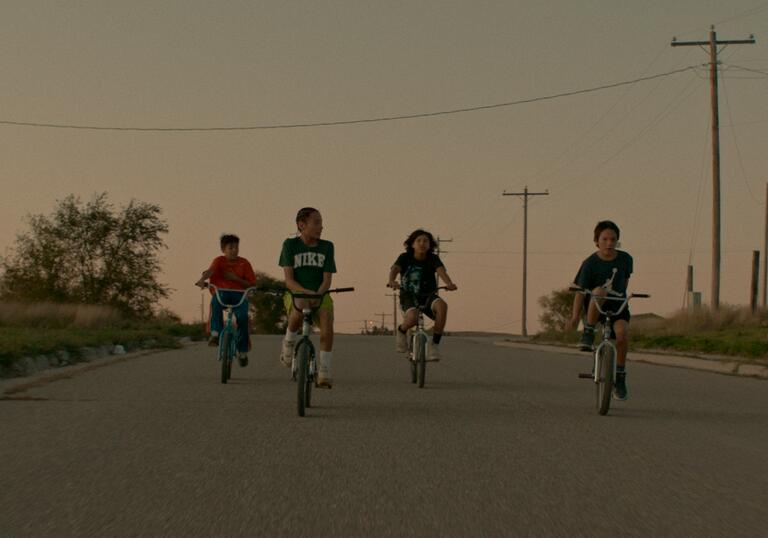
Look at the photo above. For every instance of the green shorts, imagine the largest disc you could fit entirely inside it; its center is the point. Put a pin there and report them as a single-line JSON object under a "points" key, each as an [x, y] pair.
{"points": [[327, 303]]}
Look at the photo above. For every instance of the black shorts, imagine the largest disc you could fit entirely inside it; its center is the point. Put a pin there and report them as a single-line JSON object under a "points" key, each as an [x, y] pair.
{"points": [[625, 315], [409, 300]]}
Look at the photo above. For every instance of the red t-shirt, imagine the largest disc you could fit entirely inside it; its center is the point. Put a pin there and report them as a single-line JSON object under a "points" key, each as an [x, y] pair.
{"points": [[239, 266]]}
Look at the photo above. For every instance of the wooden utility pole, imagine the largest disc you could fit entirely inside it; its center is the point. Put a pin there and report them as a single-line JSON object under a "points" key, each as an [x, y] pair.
{"points": [[525, 194], [438, 247], [753, 283], [713, 43], [765, 252]]}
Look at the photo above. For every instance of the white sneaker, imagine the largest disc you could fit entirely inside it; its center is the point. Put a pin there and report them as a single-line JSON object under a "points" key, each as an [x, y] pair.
{"points": [[324, 380], [286, 355], [433, 352], [401, 345]]}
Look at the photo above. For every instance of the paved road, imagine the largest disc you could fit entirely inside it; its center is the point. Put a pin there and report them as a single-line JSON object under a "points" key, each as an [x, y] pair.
{"points": [[501, 442]]}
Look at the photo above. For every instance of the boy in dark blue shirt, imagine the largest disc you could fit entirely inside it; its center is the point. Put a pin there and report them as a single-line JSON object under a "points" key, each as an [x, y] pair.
{"points": [[606, 270]]}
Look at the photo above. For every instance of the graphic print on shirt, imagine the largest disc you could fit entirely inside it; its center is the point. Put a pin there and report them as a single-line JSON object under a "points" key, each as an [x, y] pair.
{"points": [[609, 282], [411, 279], [308, 259]]}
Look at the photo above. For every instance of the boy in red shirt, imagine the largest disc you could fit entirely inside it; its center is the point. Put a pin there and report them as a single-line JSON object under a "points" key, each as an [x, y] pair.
{"points": [[230, 272]]}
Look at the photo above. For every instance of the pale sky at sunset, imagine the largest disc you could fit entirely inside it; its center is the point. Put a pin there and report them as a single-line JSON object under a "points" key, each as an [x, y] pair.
{"points": [[637, 154]]}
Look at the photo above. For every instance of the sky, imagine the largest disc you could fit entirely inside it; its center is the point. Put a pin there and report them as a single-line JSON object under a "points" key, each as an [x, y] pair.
{"points": [[638, 153]]}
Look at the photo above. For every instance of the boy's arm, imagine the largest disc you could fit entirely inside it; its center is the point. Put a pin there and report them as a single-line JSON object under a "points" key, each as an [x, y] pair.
{"points": [[326, 285], [578, 303], [291, 283], [443, 274], [393, 272]]}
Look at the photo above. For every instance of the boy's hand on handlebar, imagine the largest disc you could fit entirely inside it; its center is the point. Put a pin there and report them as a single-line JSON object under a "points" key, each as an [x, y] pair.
{"points": [[451, 287], [201, 283], [394, 284]]}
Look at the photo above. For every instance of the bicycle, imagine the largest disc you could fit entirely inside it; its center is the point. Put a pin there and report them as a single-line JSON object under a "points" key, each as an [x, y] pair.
{"points": [[228, 334], [604, 368], [304, 366], [417, 346]]}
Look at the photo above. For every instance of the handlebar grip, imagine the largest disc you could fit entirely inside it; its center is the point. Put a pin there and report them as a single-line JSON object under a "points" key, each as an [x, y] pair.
{"points": [[575, 288], [641, 295], [342, 290]]}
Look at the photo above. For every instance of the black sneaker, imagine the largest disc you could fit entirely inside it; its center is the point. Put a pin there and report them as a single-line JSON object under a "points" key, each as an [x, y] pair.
{"points": [[587, 339], [620, 387], [242, 358]]}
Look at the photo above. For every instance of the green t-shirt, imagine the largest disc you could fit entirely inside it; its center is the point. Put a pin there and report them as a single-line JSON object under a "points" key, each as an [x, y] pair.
{"points": [[309, 263]]}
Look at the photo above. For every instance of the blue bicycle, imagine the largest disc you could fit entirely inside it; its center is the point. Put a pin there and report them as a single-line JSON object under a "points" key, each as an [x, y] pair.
{"points": [[228, 335]]}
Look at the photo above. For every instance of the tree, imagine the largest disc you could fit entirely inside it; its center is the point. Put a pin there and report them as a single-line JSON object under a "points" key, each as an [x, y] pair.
{"points": [[89, 253], [267, 310], [557, 307]]}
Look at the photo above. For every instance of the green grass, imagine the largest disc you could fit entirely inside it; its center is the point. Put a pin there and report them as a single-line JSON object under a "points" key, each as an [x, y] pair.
{"points": [[732, 331], [17, 342]]}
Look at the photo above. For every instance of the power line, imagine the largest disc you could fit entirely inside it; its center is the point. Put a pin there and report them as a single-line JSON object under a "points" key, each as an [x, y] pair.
{"points": [[348, 122]]}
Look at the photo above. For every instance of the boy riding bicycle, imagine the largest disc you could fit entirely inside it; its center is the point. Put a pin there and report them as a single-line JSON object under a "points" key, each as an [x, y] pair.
{"points": [[417, 267], [230, 272], [308, 264], [607, 271]]}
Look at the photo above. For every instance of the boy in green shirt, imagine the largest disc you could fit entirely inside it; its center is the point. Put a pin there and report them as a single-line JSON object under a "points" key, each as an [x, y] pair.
{"points": [[308, 264]]}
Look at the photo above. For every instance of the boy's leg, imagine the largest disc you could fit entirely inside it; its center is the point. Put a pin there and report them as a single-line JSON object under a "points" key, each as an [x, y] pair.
{"points": [[621, 328], [324, 374], [243, 329], [593, 316], [291, 331], [216, 321], [440, 311], [409, 320]]}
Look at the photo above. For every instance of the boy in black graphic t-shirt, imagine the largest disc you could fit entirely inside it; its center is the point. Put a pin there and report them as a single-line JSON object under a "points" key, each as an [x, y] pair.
{"points": [[606, 270], [417, 267]]}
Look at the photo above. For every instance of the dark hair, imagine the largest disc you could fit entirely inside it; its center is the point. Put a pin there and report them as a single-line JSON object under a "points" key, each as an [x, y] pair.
{"points": [[228, 239], [416, 233], [304, 214], [606, 225]]}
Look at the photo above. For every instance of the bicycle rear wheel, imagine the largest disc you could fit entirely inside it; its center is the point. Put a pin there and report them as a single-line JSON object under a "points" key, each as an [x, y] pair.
{"points": [[420, 354], [226, 356], [412, 362], [302, 370], [606, 359]]}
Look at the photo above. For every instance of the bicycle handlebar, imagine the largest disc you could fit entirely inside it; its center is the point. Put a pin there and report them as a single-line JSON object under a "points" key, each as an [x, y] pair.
{"points": [[246, 292], [616, 297]]}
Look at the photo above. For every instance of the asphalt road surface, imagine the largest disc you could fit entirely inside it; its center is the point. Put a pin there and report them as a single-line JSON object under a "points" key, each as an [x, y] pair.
{"points": [[500, 442]]}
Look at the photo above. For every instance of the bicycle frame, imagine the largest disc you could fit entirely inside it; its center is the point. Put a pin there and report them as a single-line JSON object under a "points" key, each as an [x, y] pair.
{"points": [[304, 366]]}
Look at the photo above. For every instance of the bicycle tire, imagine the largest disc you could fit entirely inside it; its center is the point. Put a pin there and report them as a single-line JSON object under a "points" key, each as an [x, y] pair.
{"points": [[421, 359], [605, 361], [226, 356], [412, 362], [310, 379], [302, 366]]}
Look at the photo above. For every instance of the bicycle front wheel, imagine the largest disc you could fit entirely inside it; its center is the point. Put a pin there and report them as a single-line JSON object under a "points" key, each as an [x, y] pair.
{"points": [[606, 358], [302, 376], [420, 353], [226, 356]]}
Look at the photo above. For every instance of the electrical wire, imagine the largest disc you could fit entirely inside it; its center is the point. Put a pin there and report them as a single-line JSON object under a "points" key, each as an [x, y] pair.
{"points": [[350, 122], [738, 150]]}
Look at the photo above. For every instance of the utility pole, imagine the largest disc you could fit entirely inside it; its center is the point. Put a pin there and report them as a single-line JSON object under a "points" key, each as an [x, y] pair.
{"points": [[525, 194], [383, 315], [765, 252], [440, 242], [713, 43]]}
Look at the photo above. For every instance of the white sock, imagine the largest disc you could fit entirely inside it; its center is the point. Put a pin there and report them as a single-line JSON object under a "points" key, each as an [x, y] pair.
{"points": [[325, 362], [291, 336]]}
